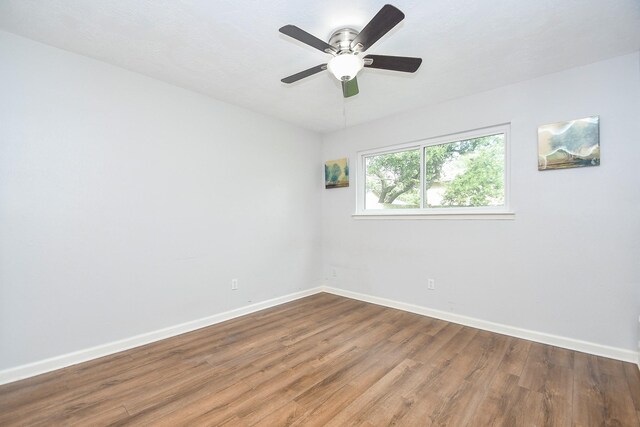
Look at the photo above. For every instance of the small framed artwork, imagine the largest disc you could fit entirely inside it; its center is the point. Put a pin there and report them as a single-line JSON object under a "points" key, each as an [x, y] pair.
{"points": [[571, 144], [336, 173]]}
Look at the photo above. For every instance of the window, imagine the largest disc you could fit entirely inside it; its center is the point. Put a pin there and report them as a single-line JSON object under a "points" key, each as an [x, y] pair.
{"points": [[457, 174]]}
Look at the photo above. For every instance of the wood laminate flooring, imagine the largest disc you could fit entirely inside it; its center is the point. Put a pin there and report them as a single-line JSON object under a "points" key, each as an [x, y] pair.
{"points": [[325, 360]]}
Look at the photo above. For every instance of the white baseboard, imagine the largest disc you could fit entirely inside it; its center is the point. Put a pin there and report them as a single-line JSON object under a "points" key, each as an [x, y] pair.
{"points": [[47, 365], [541, 337]]}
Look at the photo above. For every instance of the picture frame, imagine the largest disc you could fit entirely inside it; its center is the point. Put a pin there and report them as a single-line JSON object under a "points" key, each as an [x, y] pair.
{"points": [[569, 144], [336, 173]]}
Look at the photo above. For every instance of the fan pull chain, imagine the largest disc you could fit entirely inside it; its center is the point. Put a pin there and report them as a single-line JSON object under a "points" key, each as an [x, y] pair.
{"points": [[344, 113]]}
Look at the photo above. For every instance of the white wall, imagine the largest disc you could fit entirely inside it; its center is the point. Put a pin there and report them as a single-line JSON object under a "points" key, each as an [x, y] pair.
{"points": [[128, 205], [567, 265]]}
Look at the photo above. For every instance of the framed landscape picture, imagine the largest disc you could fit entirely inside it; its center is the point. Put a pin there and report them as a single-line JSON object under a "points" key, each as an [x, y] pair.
{"points": [[571, 144], [336, 173]]}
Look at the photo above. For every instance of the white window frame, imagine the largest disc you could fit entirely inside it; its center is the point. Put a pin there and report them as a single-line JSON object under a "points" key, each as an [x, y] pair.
{"points": [[483, 212]]}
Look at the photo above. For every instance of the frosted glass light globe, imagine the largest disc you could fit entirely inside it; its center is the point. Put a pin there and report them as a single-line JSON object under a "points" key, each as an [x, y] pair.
{"points": [[346, 66]]}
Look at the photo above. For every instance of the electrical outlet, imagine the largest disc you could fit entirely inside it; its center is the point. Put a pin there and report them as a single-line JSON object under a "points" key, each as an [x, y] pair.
{"points": [[431, 284], [334, 273], [234, 284]]}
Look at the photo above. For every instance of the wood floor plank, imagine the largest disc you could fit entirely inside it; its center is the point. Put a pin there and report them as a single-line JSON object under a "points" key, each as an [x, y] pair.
{"points": [[286, 415], [632, 374], [588, 406], [108, 417], [261, 381], [425, 404], [602, 395], [486, 352], [471, 372], [542, 374], [329, 360], [326, 405], [259, 361], [503, 395], [89, 396], [618, 403], [548, 372], [462, 381], [375, 395], [515, 356], [443, 344]]}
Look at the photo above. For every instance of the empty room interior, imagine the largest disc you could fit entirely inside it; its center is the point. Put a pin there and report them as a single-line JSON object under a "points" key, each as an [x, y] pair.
{"points": [[319, 213]]}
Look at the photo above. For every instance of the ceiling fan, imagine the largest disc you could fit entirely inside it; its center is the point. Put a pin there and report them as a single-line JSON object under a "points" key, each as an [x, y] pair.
{"points": [[346, 45]]}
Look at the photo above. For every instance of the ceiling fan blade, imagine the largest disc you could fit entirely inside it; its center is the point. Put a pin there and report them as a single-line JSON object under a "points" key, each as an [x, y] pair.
{"points": [[306, 73], [387, 18], [396, 63], [306, 38], [350, 88]]}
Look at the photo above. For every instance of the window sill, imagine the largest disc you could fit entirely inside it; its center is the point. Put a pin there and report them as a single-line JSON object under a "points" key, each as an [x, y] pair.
{"points": [[436, 216]]}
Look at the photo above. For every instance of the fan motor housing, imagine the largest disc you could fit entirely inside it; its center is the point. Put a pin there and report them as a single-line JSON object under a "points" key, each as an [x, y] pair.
{"points": [[341, 39]]}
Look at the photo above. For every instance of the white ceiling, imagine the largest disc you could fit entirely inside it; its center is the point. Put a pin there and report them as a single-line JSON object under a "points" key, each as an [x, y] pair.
{"points": [[232, 50]]}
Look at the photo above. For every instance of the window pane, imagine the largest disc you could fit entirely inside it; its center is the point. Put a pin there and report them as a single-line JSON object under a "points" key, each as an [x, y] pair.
{"points": [[466, 173], [393, 180]]}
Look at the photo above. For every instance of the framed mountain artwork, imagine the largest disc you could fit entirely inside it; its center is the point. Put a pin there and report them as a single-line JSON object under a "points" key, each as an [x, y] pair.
{"points": [[570, 144]]}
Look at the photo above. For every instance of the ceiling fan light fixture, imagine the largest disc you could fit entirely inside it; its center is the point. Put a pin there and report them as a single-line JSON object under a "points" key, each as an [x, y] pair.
{"points": [[346, 66], [346, 45]]}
